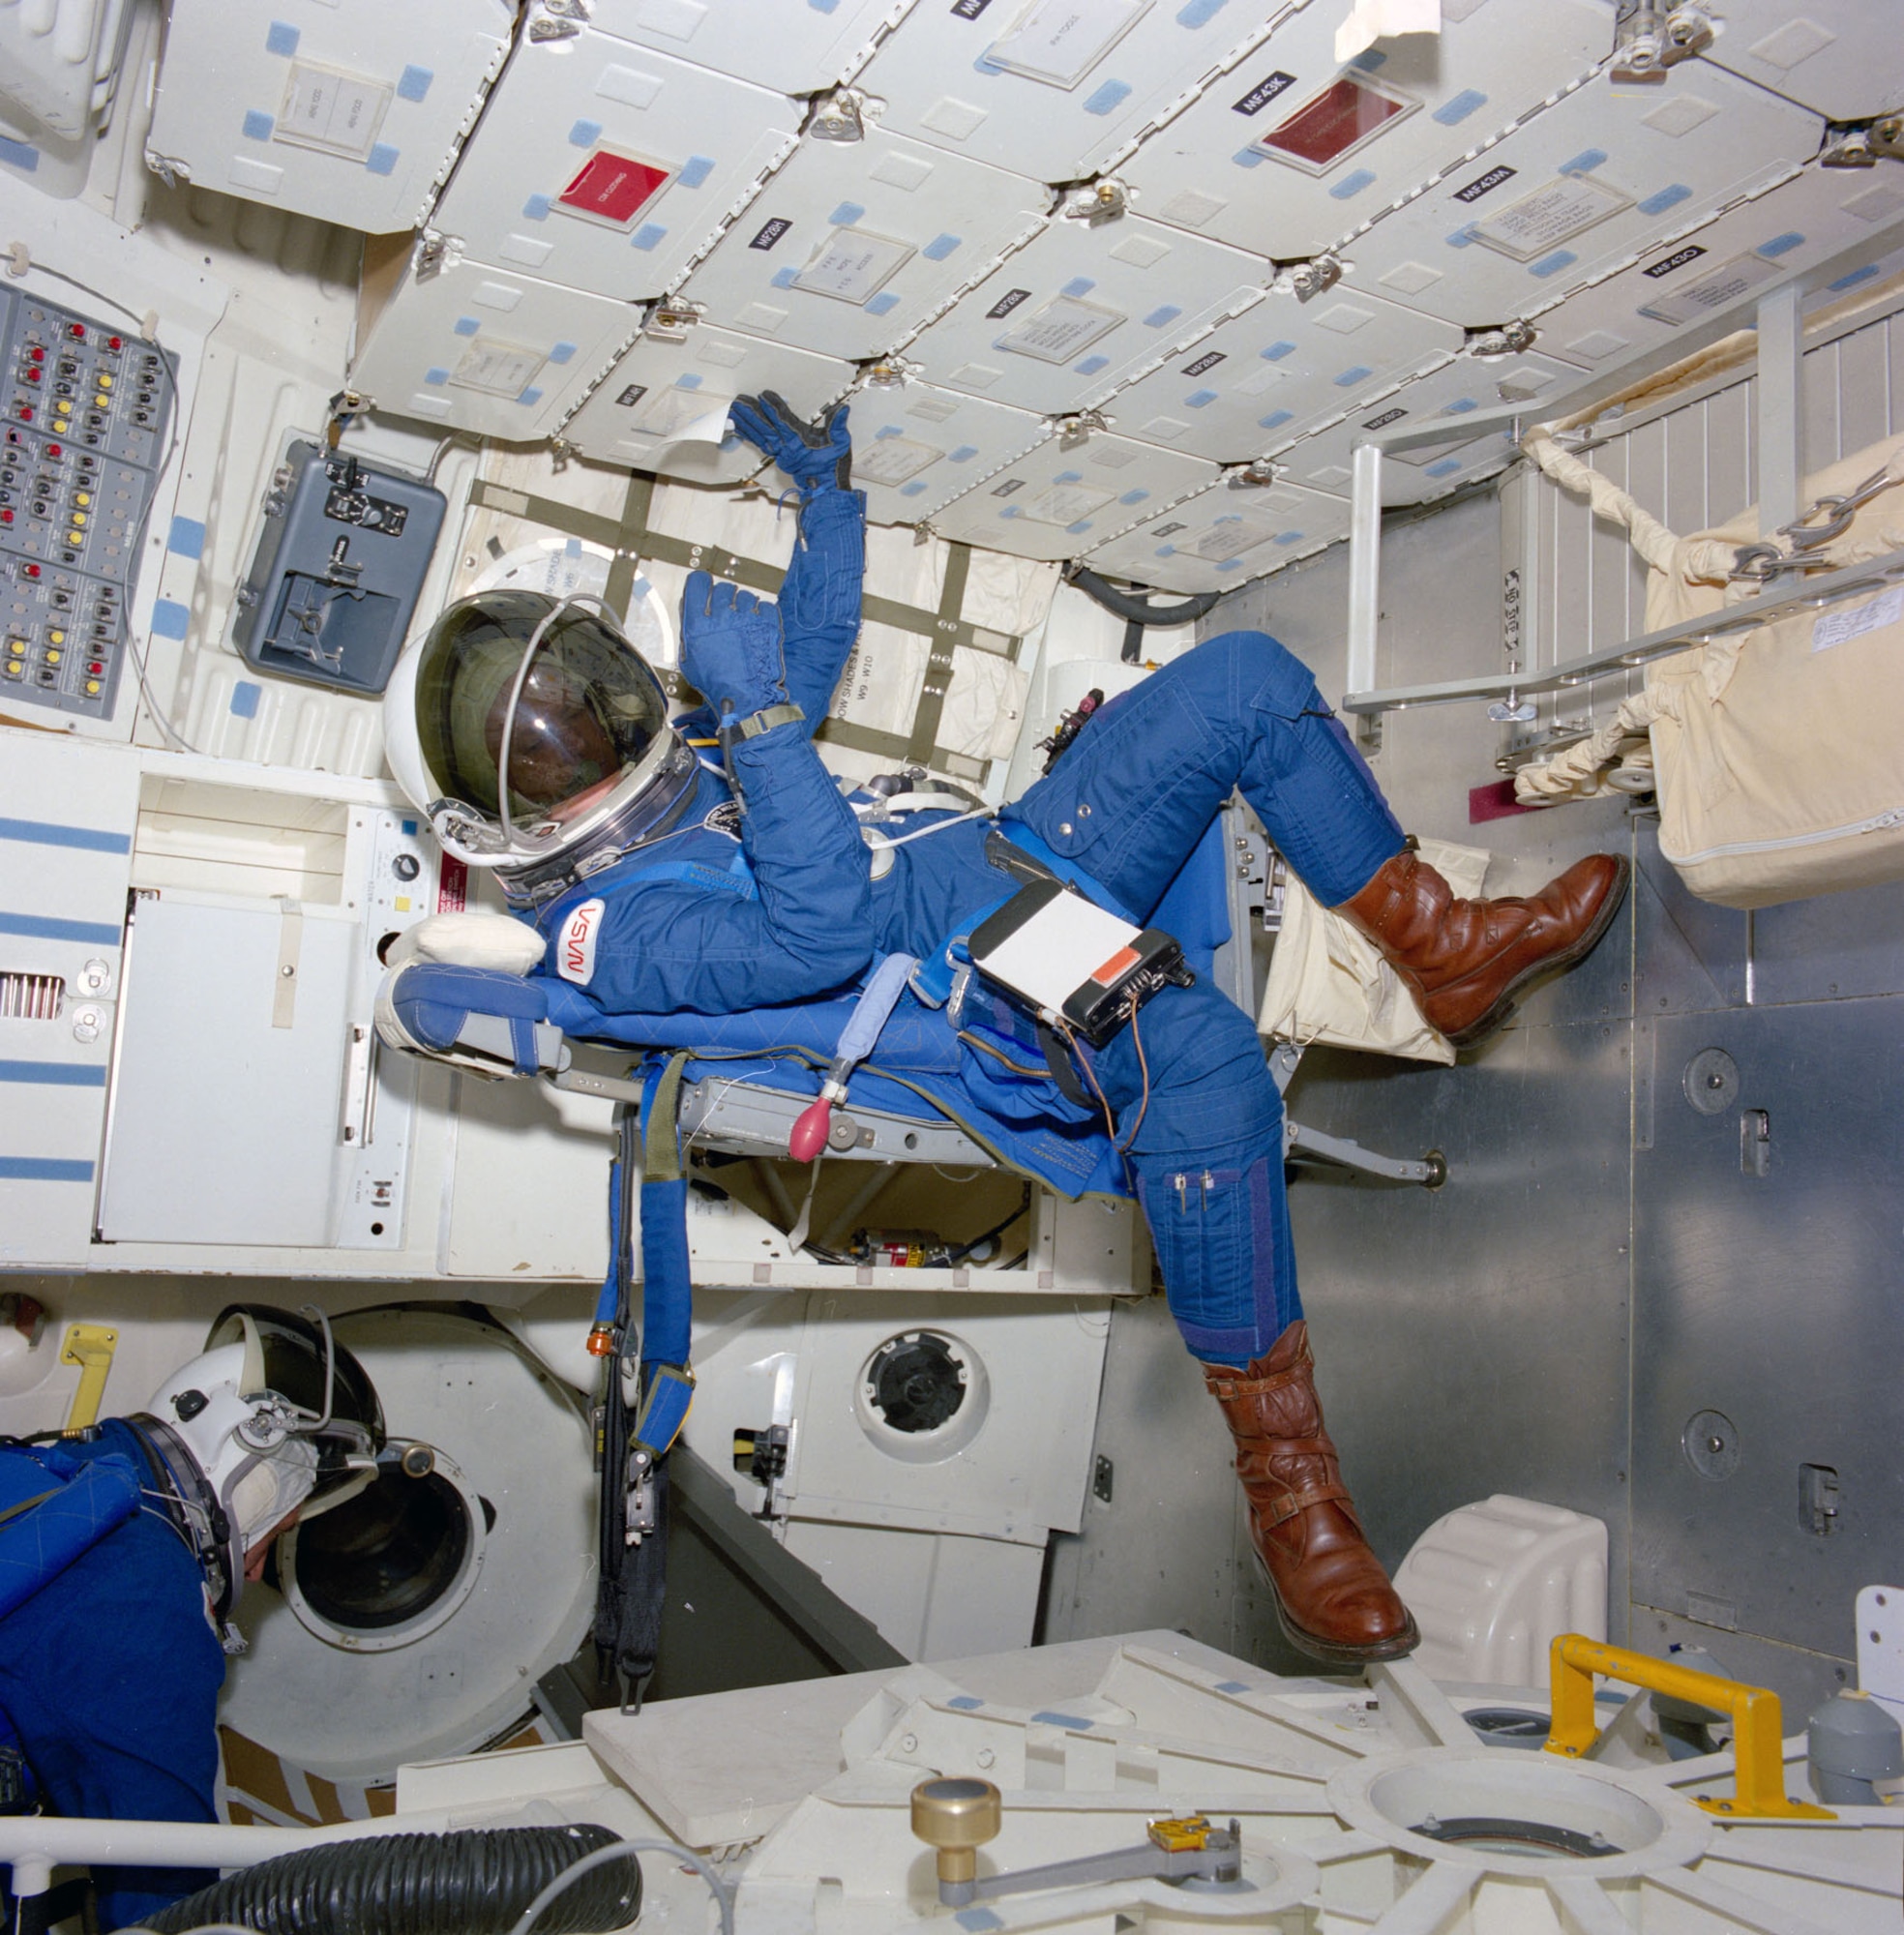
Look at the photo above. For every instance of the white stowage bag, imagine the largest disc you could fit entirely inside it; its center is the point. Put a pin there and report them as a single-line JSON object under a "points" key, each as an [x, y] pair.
{"points": [[1327, 982], [469, 941]]}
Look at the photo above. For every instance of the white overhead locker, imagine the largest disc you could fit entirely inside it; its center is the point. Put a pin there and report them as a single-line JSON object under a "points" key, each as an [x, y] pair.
{"points": [[1600, 175], [1223, 537], [348, 110], [663, 405], [1455, 391], [916, 448], [1063, 496], [1059, 324], [1051, 88], [795, 46], [1277, 370], [476, 348], [853, 244], [1795, 224], [605, 165], [1291, 149], [1841, 57]]}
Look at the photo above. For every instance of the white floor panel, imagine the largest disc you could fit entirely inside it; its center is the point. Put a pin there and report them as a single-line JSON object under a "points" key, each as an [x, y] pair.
{"points": [[792, 49], [1057, 502], [1293, 150], [476, 348], [854, 244], [1469, 383], [1596, 178], [1059, 325], [663, 408], [1224, 537], [1279, 370], [346, 109], [1049, 87], [606, 165], [1838, 56], [916, 448]]}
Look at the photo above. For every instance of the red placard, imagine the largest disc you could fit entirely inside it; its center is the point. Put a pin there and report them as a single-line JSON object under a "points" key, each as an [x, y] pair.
{"points": [[1343, 114], [612, 188]]}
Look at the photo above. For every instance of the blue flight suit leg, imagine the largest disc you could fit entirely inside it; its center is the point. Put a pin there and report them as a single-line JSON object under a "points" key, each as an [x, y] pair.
{"points": [[1189, 1082]]}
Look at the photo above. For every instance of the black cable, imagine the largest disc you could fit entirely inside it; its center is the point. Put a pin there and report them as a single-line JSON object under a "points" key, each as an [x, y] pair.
{"points": [[1135, 611]]}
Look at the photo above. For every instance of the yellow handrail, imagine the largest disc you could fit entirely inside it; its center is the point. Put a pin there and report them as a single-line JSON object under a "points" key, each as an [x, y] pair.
{"points": [[90, 1345], [1757, 1743]]}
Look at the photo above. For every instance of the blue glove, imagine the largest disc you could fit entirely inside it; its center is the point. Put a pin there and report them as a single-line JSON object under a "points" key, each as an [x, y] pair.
{"points": [[815, 455], [730, 648]]}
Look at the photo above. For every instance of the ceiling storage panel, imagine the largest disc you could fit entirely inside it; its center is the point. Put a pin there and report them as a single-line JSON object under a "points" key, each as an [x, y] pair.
{"points": [[793, 47], [1840, 57], [663, 405], [1593, 180], [852, 246], [1059, 498], [606, 165], [1222, 536], [1278, 370], [1049, 88], [1290, 150], [348, 110], [915, 447], [1063, 321]]}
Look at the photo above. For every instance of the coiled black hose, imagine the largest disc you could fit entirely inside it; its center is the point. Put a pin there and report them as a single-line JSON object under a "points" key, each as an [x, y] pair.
{"points": [[477, 1882]]}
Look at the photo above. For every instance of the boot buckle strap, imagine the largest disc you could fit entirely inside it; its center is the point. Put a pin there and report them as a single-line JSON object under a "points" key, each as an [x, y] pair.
{"points": [[1223, 1389], [1282, 1507]]}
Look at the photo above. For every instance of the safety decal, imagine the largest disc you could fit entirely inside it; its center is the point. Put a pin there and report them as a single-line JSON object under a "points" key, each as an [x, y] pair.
{"points": [[575, 951]]}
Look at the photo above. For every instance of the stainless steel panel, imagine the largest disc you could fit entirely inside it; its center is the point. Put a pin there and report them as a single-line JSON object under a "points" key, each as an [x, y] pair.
{"points": [[1771, 1300], [1689, 956], [1831, 947]]}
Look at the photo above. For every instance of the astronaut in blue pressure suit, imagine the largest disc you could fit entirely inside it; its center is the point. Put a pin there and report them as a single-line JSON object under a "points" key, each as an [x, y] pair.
{"points": [[668, 900]]}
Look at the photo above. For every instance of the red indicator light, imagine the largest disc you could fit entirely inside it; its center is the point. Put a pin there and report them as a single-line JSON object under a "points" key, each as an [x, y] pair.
{"points": [[25, 413], [29, 570], [31, 376], [95, 666], [37, 354], [113, 343], [77, 330], [53, 449], [6, 517]]}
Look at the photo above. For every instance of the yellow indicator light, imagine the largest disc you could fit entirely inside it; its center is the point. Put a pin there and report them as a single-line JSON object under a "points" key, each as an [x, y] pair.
{"points": [[101, 400], [56, 637], [52, 657], [92, 688], [402, 902], [105, 382], [74, 539], [78, 520], [82, 499], [15, 667]]}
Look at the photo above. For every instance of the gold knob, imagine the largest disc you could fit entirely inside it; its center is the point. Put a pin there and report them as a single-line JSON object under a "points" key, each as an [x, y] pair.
{"points": [[957, 1817]]}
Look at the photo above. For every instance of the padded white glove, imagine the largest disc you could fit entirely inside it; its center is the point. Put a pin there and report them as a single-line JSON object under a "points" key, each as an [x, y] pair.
{"points": [[469, 941]]}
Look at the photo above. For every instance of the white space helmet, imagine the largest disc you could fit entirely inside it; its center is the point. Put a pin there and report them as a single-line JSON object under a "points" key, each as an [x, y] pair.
{"points": [[272, 1416], [552, 692]]}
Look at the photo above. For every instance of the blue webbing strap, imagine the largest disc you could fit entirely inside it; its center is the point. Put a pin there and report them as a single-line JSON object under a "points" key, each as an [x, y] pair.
{"points": [[666, 1276]]}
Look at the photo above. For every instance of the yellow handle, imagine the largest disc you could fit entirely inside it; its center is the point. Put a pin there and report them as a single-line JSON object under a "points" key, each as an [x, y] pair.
{"points": [[1757, 1743], [90, 1345]]}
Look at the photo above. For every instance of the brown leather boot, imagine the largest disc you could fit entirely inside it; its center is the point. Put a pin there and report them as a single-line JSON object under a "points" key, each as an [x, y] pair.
{"points": [[1466, 959], [1332, 1596]]}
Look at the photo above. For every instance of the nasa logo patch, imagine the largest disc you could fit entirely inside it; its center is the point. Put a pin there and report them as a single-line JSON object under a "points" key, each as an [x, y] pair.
{"points": [[575, 951]]}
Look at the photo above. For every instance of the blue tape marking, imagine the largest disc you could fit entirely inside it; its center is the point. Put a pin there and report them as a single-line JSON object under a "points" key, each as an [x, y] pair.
{"points": [[257, 125], [1667, 197], [45, 833], [1232, 1686], [572, 547], [1348, 378], [1078, 530], [822, 5], [584, 134], [1235, 563], [1133, 496], [21, 155], [885, 430], [409, 829], [1351, 185], [1462, 238], [1197, 400], [436, 375], [53, 1074], [281, 38], [1277, 351], [1049, 1717], [1552, 265], [940, 246], [783, 278], [536, 208], [245, 696], [1781, 245], [1200, 13], [913, 489], [1457, 107], [1585, 162], [1077, 286], [413, 83], [43, 1169], [1010, 511], [1856, 277], [562, 352], [1446, 466], [694, 171], [466, 325], [1069, 477], [883, 304], [1370, 60], [846, 215], [1249, 157], [187, 537], [648, 237], [169, 619], [529, 397], [965, 453], [1166, 551], [1111, 95], [1162, 318], [966, 1703], [978, 1921], [1461, 406], [983, 65], [691, 381], [44, 927], [1275, 420], [382, 159], [1091, 365]]}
